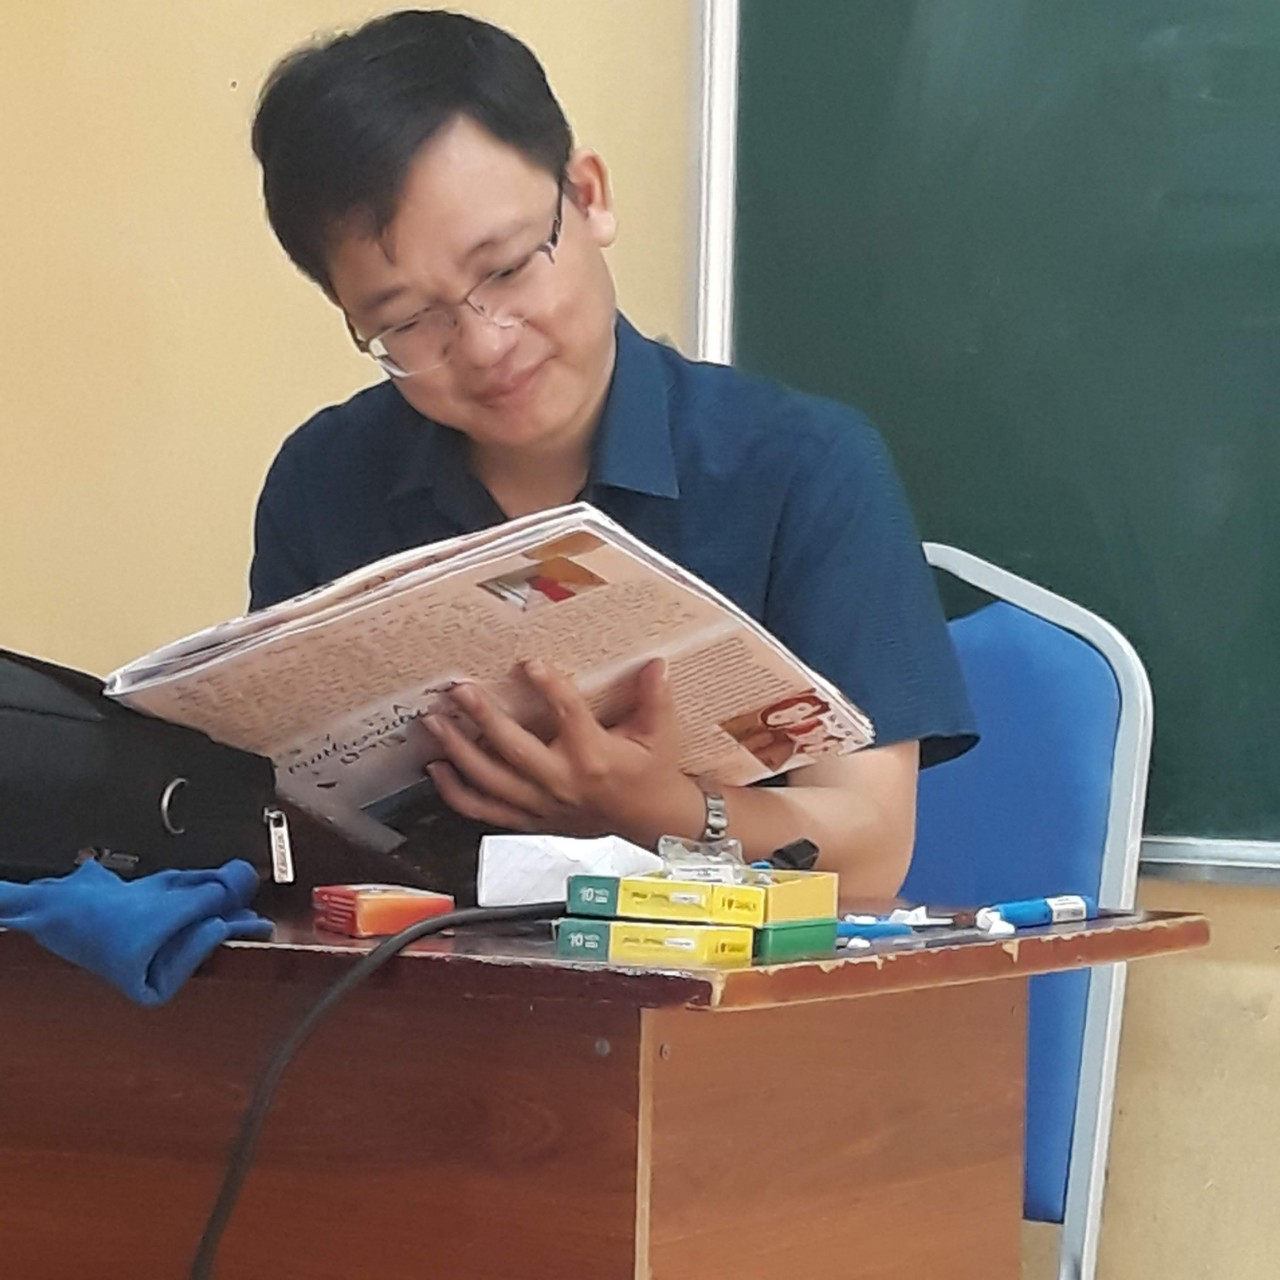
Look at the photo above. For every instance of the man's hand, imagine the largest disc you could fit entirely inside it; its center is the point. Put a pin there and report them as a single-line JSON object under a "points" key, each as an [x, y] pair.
{"points": [[591, 780], [586, 780]]}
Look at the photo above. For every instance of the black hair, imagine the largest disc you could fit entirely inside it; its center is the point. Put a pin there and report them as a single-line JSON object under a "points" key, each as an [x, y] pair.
{"points": [[339, 122]]}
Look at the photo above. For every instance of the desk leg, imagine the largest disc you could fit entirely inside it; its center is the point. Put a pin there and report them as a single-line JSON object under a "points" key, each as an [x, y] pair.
{"points": [[866, 1138]]}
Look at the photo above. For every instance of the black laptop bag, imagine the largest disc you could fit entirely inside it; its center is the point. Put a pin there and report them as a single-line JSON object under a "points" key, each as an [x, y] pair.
{"points": [[83, 775]]}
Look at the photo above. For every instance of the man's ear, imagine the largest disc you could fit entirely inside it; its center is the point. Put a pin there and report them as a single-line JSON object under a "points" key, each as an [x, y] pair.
{"points": [[587, 186]]}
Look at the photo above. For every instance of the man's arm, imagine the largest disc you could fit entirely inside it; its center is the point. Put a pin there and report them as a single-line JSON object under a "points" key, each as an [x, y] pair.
{"points": [[860, 810]]}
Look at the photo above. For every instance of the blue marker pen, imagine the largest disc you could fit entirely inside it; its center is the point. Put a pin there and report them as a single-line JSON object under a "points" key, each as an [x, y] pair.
{"points": [[866, 928], [1034, 911]]}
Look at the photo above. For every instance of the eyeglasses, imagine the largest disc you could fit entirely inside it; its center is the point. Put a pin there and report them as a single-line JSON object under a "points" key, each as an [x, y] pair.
{"points": [[503, 299]]}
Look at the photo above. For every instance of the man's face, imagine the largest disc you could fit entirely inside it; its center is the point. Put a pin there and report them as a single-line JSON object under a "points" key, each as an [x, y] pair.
{"points": [[473, 206]]}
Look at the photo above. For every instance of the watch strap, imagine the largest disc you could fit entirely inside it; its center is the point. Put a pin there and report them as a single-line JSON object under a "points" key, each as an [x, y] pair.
{"points": [[717, 819]]}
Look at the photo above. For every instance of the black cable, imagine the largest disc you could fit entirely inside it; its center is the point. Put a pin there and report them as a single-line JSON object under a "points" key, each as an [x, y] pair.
{"points": [[242, 1152]]}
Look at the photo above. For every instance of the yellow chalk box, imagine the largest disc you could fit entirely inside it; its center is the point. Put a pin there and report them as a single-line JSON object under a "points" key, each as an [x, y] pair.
{"points": [[792, 895], [648, 942]]}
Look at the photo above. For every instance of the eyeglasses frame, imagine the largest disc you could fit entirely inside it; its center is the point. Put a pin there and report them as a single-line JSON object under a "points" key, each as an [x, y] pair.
{"points": [[369, 346]]}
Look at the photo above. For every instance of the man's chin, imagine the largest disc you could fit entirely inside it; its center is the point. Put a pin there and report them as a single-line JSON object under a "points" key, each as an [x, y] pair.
{"points": [[534, 424]]}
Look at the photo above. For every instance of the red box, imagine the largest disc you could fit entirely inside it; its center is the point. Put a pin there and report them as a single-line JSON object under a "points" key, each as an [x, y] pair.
{"points": [[369, 910]]}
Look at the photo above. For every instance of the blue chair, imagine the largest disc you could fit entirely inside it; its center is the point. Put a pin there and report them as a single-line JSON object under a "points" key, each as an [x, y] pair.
{"points": [[1050, 801]]}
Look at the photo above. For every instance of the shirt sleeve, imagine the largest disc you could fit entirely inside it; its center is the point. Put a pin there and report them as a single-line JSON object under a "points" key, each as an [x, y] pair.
{"points": [[852, 594], [277, 571]]}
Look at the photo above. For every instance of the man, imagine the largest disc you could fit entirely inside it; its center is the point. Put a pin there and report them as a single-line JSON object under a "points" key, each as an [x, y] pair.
{"points": [[422, 173]]}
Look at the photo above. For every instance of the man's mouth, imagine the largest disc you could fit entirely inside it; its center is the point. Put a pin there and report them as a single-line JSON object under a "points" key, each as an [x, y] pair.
{"points": [[510, 388]]}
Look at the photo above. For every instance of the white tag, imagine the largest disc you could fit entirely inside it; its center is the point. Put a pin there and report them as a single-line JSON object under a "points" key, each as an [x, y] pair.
{"points": [[281, 848], [918, 917], [1067, 907]]}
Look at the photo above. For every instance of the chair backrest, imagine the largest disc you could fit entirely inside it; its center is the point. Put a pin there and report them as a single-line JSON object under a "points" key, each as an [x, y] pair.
{"points": [[1050, 801]]}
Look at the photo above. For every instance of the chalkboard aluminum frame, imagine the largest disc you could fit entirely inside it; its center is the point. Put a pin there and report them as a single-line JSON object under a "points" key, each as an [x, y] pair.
{"points": [[717, 181]]}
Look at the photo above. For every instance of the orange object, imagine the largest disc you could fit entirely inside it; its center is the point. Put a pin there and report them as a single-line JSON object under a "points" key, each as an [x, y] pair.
{"points": [[367, 910]]}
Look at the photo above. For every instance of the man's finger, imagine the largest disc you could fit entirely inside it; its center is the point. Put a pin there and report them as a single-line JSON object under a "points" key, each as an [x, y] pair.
{"points": [[525, 752], [484, 773], [471, 803], [654, 712], [576, 725]]}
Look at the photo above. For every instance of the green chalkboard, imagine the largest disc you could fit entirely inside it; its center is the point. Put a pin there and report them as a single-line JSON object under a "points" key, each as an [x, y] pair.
{"points": [[1038, 242]]}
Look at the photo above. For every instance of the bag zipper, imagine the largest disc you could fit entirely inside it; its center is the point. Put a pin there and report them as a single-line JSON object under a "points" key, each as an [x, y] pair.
{"points": [[281, 846]]}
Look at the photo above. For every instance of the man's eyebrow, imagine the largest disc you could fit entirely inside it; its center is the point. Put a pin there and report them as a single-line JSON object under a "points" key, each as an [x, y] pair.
{"points": [[375, 302], [498, 237]]}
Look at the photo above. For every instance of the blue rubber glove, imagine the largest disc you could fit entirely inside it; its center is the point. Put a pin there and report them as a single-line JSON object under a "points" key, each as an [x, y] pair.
{"points": [[144, 936]]}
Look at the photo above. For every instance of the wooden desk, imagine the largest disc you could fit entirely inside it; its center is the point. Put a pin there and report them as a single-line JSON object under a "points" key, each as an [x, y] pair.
{"points": [[480, 1109]]}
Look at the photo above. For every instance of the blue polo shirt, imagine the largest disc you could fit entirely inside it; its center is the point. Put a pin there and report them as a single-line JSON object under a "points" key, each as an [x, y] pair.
{"points": [[787, 503]]}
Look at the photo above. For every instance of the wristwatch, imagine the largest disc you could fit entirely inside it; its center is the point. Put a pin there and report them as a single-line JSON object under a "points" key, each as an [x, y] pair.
{"points": [[717, 826]]}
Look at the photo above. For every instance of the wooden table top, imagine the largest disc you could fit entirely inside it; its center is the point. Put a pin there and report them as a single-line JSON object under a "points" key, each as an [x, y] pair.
{"points": [[520, 961]]}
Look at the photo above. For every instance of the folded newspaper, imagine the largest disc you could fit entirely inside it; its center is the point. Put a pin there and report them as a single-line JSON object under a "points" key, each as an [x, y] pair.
{"points": [[333, 684]]}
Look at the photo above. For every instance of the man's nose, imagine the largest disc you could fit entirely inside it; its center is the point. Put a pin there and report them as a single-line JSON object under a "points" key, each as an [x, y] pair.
{"points": [[480, 341]]}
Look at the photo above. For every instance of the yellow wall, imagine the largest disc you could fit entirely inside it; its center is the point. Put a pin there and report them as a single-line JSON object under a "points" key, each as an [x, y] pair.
{"points": [[1195, 1146], [156, 346], [1195, 1152]]}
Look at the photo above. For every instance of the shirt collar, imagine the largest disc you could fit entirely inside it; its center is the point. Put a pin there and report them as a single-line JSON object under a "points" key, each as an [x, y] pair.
{"points": [[633, 441], [632, 447], [433, 459]]}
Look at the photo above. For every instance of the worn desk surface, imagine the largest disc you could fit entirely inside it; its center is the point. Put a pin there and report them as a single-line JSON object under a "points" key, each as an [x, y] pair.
{"points": [[521, 961]]}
